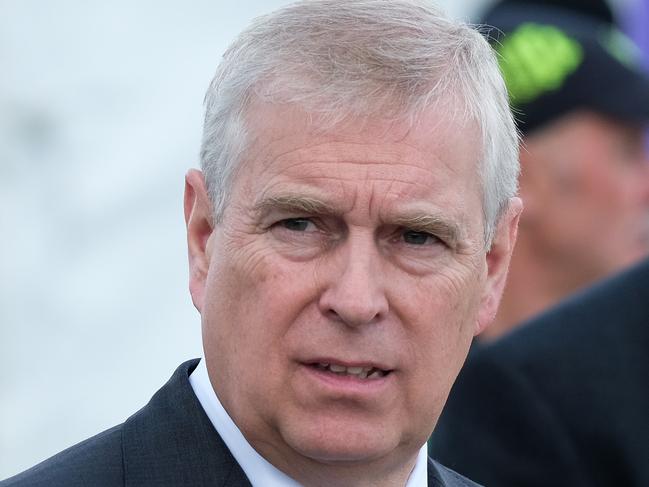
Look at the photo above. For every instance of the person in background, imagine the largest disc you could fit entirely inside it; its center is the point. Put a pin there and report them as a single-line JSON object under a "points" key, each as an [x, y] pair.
{"points": [[582, 102], [348, 236], [562, 401]]}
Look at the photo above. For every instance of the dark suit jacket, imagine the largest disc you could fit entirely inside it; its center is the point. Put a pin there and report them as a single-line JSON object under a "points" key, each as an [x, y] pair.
{"points": [[563, 401], [169, 442]]}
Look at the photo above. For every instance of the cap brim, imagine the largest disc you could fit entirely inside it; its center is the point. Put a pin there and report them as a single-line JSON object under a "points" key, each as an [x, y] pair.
{"points": [[627, 98]]}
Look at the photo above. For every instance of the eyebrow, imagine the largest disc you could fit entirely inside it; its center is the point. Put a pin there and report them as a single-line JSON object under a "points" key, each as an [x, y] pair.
{"points": [[294, 204], [447, 230]]}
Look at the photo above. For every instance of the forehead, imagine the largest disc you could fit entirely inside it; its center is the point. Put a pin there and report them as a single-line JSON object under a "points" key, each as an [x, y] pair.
{"points": [[433, 160]]}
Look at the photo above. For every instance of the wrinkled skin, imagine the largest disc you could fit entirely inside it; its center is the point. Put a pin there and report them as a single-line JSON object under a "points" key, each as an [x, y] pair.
{"points": [[363, 245]]}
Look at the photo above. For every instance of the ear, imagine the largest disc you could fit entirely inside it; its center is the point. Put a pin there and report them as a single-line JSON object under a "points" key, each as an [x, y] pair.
{"points": [[498, 258], [532, 180], [198, 218]]}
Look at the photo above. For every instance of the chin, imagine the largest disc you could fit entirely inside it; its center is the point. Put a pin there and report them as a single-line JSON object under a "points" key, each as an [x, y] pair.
{"points": [[336, 454], [341, 443]]}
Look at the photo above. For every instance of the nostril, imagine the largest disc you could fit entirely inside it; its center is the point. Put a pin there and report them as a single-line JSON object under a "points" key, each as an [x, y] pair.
{"points": [[355, 319], [333, 315]]}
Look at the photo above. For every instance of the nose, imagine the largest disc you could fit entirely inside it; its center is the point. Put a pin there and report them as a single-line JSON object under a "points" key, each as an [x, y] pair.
{"points": [[354, 293]]}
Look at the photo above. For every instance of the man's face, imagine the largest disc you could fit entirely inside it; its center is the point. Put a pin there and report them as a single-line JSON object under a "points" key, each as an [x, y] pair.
{"points": [[341, 290], [588, 195]]}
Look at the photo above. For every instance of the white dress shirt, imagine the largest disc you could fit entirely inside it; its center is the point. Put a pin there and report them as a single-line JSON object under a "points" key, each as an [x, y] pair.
{"points": [[258, 470]]}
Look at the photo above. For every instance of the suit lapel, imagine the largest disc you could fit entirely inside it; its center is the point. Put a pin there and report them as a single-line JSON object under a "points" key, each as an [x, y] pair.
{"points": [[440, 476], [171, 441], [434, 478]]}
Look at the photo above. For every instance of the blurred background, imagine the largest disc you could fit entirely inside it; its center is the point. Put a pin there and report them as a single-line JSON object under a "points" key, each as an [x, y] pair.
{"points": [[100, 117]]}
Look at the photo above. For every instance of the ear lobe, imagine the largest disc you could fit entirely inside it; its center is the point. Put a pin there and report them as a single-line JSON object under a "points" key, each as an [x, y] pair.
{"points": [[498, 258], [199, 221]]}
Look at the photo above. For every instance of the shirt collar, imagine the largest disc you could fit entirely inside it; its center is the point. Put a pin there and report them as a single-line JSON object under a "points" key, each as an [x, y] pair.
{"points": [[258, 470]]}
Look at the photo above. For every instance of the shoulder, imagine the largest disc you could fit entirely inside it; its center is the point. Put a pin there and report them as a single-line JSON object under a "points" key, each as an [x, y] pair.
{"points": [[598, 336], [600, 333], [96, 461], [523, 397], [133, 451], [613, 309], [501, 409]]}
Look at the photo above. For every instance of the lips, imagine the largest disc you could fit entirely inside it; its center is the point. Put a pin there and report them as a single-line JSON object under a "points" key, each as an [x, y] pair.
{"points": [[363, 372]]}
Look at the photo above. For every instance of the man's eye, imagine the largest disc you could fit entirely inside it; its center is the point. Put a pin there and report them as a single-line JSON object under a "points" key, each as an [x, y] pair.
{"points": [[413, 237], [297, 224]]}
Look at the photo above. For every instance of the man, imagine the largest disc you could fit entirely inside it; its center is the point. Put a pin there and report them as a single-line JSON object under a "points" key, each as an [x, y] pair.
{"points": [[348, 236], [562, 401], [582, 104]]}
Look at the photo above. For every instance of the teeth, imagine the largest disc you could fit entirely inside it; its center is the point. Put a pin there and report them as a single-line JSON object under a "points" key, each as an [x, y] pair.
{"points": [[360, 372], [354, 370], [337, 368]]}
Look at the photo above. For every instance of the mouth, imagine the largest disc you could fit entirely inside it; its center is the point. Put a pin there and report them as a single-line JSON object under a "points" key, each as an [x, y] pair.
{"points": [[362, 372]]}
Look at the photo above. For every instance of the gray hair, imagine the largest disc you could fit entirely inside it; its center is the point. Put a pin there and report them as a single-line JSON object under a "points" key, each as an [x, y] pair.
{"points": [[341, 58]]}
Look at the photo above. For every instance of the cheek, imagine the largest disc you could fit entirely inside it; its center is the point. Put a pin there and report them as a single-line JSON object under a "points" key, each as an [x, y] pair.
{"points": [[252, 303], [253, 299], [605, 179], [439, 322], [442, 323]]}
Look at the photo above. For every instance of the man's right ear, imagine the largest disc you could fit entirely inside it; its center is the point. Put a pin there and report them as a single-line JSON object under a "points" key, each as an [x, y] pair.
{"points": [[199, 221], [531, 182]]}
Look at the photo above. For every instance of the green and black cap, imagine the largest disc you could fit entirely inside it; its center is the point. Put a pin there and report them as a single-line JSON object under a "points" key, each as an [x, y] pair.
{"points": [[555, 60]]}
